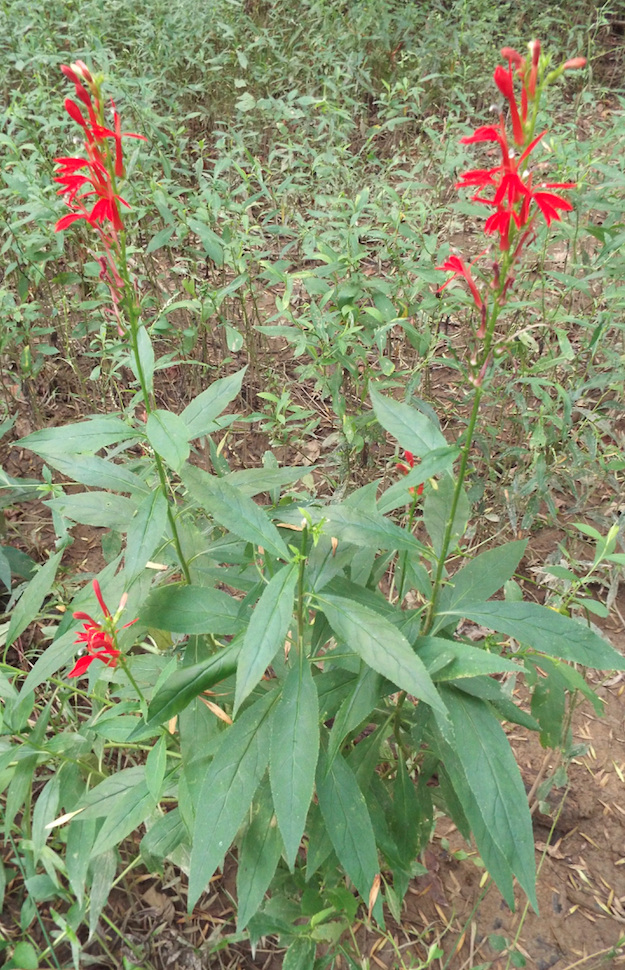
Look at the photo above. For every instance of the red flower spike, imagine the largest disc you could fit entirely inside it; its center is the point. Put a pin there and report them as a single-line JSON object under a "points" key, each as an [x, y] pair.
{"points": [[98, 638]]}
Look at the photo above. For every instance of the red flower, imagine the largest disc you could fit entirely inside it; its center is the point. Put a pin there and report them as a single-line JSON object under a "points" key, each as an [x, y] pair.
{"points": [[98, 638], [504, 81], [405, 470], [457, 266]]}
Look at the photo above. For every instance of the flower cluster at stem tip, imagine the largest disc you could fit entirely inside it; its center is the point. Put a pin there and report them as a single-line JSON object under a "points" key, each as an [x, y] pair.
{"points": [[89, 185], [99, 639], [513, 196]]}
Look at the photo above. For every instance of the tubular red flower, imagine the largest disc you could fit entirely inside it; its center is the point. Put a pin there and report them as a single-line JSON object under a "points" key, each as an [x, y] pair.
{"points": [[574, 63], [509, 54], [503, 80], [457, 267]]}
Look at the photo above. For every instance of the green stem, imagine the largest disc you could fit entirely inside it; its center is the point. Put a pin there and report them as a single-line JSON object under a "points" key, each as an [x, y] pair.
{"points": [[482, 363], [132, 311]]}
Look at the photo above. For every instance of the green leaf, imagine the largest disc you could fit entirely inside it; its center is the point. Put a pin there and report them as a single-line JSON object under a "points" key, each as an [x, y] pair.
{"points": [[102, 799], [545, 630], [355, 708], [163, 837], [101, 509], [234, 511], [210, 240], [80, 839], [293, 755], [155, 767], [405, 820], [229, 785], [145, 532], [102, 882], [300, 954], [266, 633], [97, 473], [460, 659], [360, 528], [485, 758], [79, 438], [31, 600], [160, 239], [480, 578], [168, 435], [18, 789], [251, 481], [347, 820], [146, 358], [185, 684], [124, 816], [433, 464], [411, 428], [258, 858], [52, 659], [436, 509], [24, 956], [199, 416], [44, 812], [381, 646], [5, 570], [192, 609]]}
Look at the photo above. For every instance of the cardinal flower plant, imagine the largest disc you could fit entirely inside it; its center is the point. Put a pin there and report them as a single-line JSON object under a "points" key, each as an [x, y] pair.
{"points": [[297, 689]]}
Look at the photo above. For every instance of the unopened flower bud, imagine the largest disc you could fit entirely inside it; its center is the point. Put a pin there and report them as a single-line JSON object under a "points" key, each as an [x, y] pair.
{"points": [[574, 63]]}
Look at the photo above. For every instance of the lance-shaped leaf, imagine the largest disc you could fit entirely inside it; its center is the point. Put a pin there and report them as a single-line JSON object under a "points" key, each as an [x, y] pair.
{"points": [[436, 509], [348, 823], [104, 510], [32, 598], [293, 756], [199, 416], [168, 435], [258, 857], [84, 437], [192, 609], [451, 659], [411, 428], [480, 578], [97, 472], [355, 708], [229, 785], [545, 630], [266, 633], [369, 529], [145, 532], [234, 510], [185, 684], [484, 757], [381, 646], [129, 811]]}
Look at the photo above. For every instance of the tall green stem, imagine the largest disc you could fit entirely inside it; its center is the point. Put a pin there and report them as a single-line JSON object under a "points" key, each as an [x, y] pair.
{"points": [[464, 460], [132, 313]]}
